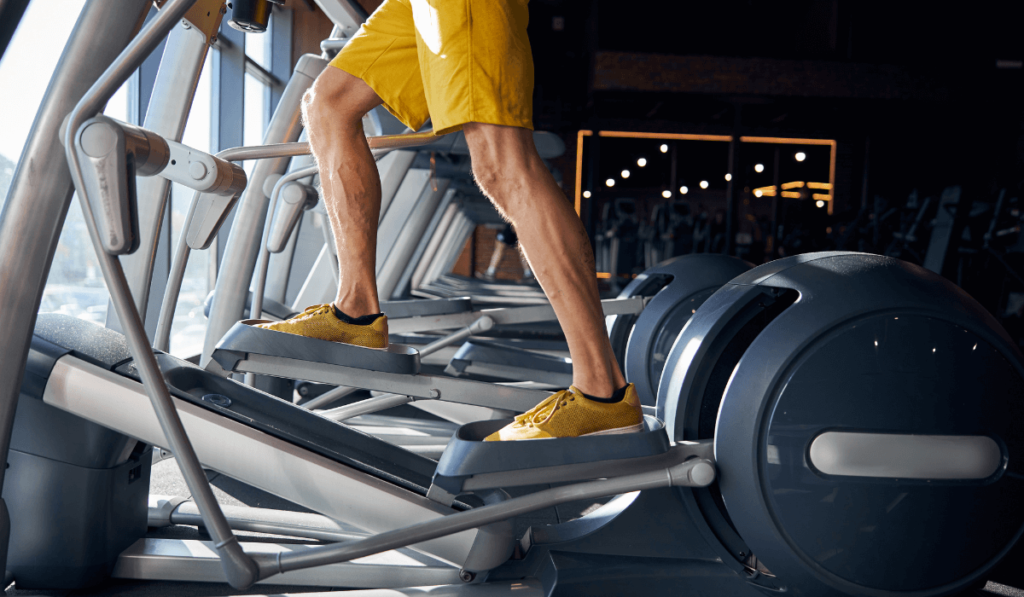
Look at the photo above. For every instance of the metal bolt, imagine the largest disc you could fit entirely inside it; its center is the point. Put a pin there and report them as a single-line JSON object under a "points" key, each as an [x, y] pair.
{"points": [[197, 170], [466, 576]]}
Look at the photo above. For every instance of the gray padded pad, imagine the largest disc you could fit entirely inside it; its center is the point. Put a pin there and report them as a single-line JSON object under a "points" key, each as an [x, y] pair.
{"points": [[84, 339]]}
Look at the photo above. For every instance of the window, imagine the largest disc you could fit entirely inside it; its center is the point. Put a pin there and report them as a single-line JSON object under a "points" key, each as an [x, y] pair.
{"points": [[75, 285], [25, 72], [257, 49]]}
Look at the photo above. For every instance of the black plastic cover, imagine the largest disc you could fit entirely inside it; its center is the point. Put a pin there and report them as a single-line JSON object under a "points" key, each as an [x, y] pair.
{"points": [[895, 373], [69, 523], [789, 349], [689, 281]]}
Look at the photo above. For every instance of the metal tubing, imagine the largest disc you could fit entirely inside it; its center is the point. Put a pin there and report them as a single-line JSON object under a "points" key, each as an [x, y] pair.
{"points": [[679, 474], [256, 306], [264, 258], [239, 569], [274, 522], [482, 324], [435, 242], [465, 391], [162, 338], [39, 195], [239, 260], [329, 397], [366, 407]]}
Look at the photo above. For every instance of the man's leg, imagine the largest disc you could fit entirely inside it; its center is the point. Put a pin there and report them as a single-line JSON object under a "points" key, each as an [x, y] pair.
{"points": [[512, 174], [333, 110]]}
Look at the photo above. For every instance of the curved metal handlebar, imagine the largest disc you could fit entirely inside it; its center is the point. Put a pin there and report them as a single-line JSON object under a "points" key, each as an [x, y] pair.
{"points": [[240, 570]]}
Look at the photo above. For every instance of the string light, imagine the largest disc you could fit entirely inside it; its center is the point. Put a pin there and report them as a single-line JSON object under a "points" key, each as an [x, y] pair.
{"points": [[759, 168], [819, 203], [625, 173], [586, 194], [641, 162], [666, 194], [728, 177], [800, 156], [610, 182], [703, 184], [684, 190], [663, 148], [758, 193]]}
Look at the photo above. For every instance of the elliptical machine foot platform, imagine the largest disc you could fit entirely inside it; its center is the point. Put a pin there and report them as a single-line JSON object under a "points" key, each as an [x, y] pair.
{"points": [[244, 338], [471, 464]]}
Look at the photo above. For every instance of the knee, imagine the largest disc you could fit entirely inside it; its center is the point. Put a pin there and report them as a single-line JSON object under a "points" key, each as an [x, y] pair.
{"points": [[488, 175], [505, 162], [328, 97]]}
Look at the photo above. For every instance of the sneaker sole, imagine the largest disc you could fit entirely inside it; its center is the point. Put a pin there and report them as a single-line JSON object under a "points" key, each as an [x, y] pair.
{"points": [[618, 430], [257, 322]]}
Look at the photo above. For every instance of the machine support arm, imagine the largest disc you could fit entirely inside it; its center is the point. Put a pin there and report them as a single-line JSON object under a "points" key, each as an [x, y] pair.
{"points": [[239, 569]]}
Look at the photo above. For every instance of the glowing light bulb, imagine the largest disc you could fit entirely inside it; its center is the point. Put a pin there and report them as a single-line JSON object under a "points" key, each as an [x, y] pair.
{"points": [[666, 194], [728, 177], [758, 193], [641, 162], [610, 182], [759, 168], [800, 156], [586, 194], [703, 184], [819, 203], [663, 148], [625, 173], [684, 190]]}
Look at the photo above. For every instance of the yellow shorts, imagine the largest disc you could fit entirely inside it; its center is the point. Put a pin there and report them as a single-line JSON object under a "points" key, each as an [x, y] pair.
{"points": [[456, 61]]}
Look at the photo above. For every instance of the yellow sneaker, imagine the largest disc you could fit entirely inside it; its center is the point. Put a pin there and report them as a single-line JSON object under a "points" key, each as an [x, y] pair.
{"points": [[319, 321], [569, 414]]}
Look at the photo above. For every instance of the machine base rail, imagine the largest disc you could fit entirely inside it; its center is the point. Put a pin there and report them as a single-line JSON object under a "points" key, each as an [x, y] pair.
{"points": [[197, 561], [693, 472]]}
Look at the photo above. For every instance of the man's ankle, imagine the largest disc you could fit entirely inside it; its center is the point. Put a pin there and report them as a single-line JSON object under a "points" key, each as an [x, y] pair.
{"points": [[363, 319], [611, 398]]}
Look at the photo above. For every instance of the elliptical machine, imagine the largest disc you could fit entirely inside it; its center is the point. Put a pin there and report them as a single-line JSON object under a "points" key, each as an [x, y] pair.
{"points": [[817, 418]]}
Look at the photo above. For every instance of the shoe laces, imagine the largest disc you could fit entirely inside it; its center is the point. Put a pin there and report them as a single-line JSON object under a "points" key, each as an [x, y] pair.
{"points": [[315, 310], [544, 411]]}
